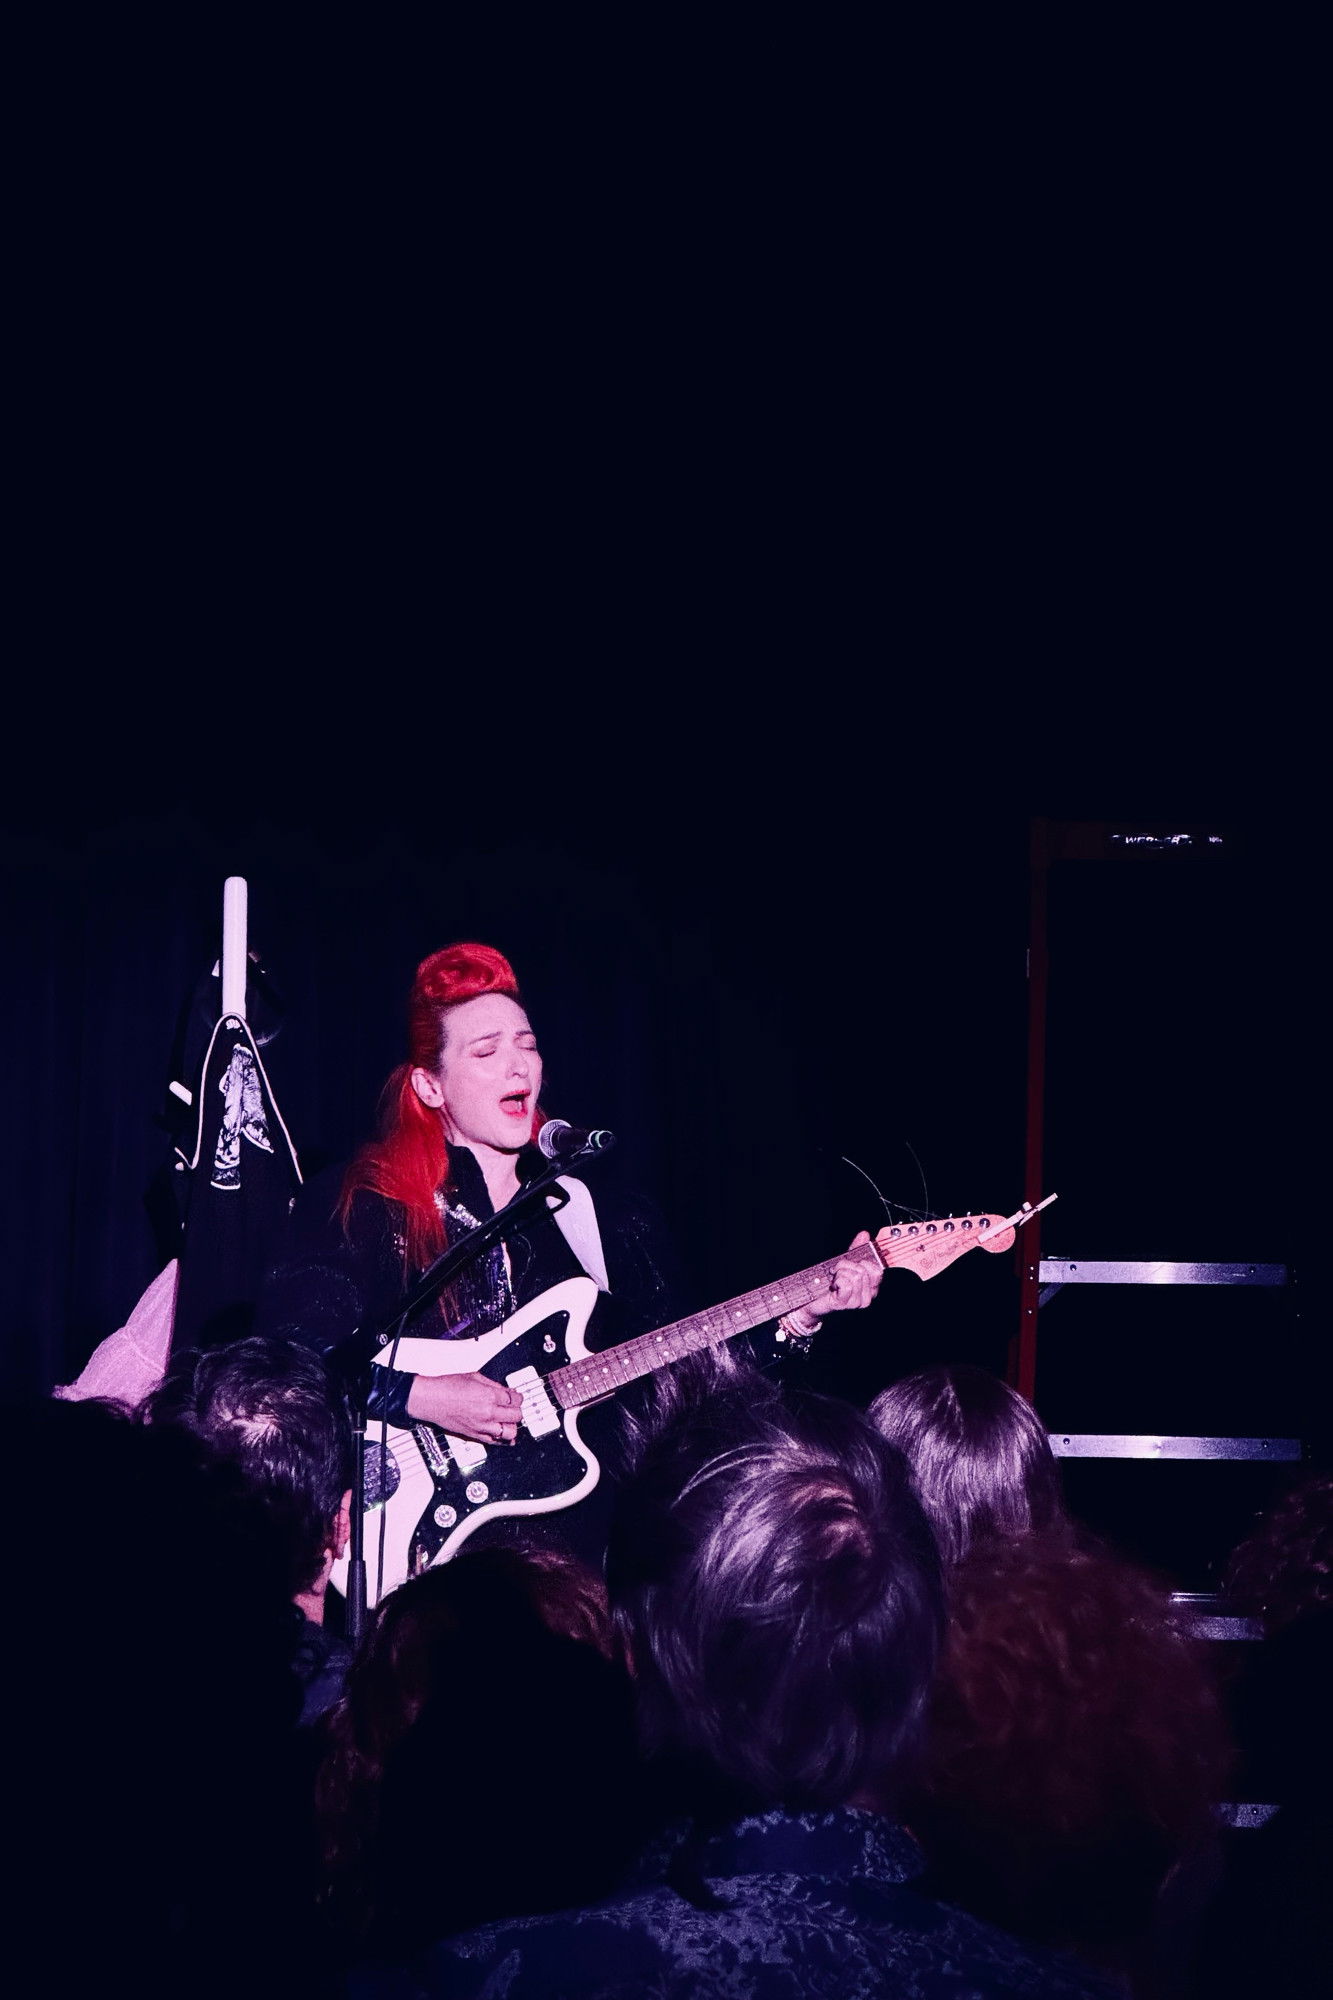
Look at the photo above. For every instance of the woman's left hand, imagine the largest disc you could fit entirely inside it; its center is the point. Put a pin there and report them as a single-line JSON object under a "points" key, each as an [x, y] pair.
{"points": [[854, 1282]]}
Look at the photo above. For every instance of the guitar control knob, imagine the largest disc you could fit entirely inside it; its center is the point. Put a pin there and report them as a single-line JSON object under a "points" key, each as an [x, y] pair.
{"points": [[477, 1491], [445, 1516]]}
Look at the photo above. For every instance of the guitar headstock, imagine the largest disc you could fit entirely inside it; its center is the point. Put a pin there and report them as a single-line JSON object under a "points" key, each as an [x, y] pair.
{"points": [[927, 1247]]}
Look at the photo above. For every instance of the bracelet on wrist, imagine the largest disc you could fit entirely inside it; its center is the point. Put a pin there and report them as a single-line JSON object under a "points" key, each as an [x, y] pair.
{"points": [[788, 1329]]}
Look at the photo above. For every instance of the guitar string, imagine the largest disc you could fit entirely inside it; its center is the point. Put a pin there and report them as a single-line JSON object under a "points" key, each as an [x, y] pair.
{"points": [[890, 1258], [916, 1214]]}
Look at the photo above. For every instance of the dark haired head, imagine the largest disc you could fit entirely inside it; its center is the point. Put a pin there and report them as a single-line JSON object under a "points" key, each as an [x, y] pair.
{"points": [[472, 1677], [150, 1725], [778, 1593], [269, 1408], [979, 1455]]}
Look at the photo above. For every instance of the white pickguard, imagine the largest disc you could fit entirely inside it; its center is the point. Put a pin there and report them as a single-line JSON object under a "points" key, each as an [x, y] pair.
{"points": [[389, 1529]]}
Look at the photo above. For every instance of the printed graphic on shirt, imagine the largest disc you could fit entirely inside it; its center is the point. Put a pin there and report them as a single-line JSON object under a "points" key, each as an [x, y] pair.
{"points": [[243, 1117]]}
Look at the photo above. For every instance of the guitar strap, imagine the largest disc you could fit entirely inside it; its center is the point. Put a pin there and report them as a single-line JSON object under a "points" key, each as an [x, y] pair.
{"points": [[577, 1223]]}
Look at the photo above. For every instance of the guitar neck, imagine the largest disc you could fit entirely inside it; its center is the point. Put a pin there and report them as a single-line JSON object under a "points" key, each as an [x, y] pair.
{"points": [[597, 1374]]}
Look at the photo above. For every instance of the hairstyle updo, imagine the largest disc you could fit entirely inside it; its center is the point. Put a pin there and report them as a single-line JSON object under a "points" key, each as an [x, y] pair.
{"points": [[409, 1160]]}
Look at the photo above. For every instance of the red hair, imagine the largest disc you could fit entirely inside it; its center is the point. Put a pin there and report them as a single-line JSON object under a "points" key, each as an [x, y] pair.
{"points": [[409, 1162]]}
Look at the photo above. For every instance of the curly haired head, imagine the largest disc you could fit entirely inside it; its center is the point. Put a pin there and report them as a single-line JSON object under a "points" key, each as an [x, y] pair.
{"points": [[1076, 1743]]}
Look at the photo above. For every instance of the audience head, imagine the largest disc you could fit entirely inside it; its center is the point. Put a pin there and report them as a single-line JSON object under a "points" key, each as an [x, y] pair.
{"points": [[778, 1593], [268, 1407], [422, 1630], [979, 1456], [152, 1707], [1076, 1745], [473, 1677]]}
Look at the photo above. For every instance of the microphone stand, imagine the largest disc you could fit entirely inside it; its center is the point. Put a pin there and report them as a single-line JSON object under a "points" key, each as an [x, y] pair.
{"points": [[353, 1356]]}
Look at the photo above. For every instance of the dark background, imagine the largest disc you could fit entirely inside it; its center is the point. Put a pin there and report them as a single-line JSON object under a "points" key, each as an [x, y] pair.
{"points": [[687, 554]]}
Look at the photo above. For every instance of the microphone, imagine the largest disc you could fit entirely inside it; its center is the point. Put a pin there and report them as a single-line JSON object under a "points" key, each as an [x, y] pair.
{"points": [[559, 1140]]}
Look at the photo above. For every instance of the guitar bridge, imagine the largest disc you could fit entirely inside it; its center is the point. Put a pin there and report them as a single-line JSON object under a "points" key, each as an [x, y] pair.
{"points": [[441, 1450], [431, 1449]]}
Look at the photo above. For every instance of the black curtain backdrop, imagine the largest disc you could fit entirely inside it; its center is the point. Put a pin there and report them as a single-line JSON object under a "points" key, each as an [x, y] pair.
{"points": [[742, 1004], [746, 992]]}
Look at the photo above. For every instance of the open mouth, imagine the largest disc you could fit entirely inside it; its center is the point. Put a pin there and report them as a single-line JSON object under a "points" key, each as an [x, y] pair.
{"points": [[515, 1104]]}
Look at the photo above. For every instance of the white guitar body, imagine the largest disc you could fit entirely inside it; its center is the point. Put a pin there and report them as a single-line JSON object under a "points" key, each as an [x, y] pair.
{"points": [[443, 1488]]}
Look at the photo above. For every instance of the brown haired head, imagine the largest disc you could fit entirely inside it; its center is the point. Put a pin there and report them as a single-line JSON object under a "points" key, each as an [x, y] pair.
{"points": [[1076, 1743], [440, 1706], [979, 1455]]}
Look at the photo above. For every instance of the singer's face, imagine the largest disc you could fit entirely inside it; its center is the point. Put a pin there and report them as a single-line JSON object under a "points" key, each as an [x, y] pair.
{"points": [[490, 1074]]}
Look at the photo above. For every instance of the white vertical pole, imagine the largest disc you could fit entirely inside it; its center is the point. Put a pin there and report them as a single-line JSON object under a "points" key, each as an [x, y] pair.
{"points": [[234, 901]]}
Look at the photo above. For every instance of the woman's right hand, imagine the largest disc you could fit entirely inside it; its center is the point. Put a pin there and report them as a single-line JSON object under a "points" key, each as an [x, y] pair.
{"points": [[471, 1406]]}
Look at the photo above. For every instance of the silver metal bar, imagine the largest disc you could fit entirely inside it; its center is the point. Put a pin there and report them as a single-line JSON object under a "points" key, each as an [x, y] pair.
{"points": [[1203, 1627], [1084, 1271], [1123, 1444], [1244, 1815], [1206, 1615]]}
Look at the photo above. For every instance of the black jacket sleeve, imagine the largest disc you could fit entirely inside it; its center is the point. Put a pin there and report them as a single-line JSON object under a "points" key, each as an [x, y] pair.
{"points": [[327, 1280]]}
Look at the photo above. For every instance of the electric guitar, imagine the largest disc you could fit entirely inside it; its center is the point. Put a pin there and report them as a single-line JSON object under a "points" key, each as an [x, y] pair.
{"points": [[435, 1489]]}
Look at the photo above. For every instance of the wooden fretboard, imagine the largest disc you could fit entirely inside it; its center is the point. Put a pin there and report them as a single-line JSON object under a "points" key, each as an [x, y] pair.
{"points": [[599, 1374]]}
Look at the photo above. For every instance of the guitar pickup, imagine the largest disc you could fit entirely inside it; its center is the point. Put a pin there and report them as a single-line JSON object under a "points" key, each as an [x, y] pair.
{"points": [[467, 1453], [540, 1414]]}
